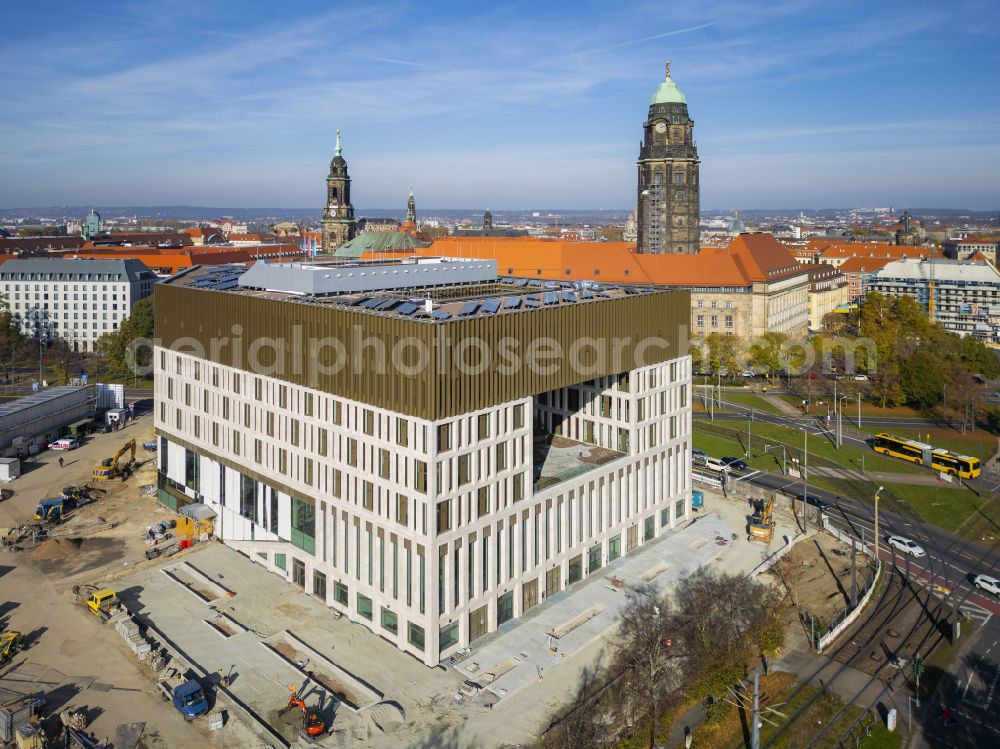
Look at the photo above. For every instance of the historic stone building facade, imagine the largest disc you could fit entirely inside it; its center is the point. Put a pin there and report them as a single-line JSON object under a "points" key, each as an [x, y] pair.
{"points": [[667, 208], [338, 222]]}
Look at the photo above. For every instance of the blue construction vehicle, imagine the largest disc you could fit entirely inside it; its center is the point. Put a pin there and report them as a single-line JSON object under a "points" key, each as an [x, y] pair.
{"points": [[188, 696], [51, 509]]}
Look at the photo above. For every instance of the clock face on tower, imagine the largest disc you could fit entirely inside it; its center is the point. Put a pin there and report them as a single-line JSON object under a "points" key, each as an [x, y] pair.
{"points": [[660, 127], [333, 211]]}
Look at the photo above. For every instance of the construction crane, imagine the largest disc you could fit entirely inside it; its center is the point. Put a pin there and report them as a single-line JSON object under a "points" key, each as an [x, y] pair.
{"points": [[114, 467], [761, 525]]}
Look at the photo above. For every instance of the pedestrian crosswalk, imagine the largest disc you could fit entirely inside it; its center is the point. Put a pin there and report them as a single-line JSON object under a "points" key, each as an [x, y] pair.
{"points": [[970, 610]]}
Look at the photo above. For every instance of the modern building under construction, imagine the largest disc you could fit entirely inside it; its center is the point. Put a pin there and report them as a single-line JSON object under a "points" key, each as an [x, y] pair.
{"points": [[384, 436], [963, 296]]}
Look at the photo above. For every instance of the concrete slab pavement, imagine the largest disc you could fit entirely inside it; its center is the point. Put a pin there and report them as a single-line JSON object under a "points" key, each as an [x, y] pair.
{"points": [[510, 660], [530, 649]]}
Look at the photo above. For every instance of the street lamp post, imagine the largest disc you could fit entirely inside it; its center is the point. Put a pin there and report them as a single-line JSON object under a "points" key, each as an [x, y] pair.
{"points": [[840, 421], [749, 422], [876, 522], [805, 481], [784, 456]]}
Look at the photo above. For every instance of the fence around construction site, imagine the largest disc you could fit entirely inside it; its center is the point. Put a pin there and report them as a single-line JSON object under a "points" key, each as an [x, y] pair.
{"points": [[853, 614]]}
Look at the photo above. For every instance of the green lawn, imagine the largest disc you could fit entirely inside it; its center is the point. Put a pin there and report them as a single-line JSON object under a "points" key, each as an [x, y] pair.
{"points": [[803, 729], [788, 697], [847, 456], [882, 738], [751, 400], [851, 407], [947, 506], [944, 506], [719, 447]]}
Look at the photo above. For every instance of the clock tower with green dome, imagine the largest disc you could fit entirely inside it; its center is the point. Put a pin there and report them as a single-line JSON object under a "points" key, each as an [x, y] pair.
{"points": [[668, 203], [338, 224]]}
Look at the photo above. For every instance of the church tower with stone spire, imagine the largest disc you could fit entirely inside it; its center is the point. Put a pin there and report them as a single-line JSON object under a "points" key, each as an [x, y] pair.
{"points": [[668, 202], [411, 209], [338, 224]]}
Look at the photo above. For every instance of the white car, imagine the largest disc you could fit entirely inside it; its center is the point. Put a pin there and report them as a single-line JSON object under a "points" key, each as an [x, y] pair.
{"points": [[987, 583], [906, 546], [65, 443], [714, 464], [861, 378]]}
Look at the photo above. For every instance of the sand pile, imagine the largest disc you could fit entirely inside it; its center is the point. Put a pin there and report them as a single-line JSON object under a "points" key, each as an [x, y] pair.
{"points": [[388, 716], [56, 548]]}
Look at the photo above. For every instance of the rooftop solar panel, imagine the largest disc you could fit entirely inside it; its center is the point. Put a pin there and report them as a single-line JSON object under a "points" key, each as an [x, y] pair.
{"points": [[550, 297], [224, 285], [568, 296], [520, 282], [469, 308], [490, 306], [407, 308], [440, 314], [387, 305], [587, 294], [530, 303], [359, 301], [512, 303]]}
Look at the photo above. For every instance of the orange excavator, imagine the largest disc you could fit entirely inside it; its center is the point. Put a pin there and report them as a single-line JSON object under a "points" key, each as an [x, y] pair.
{"points": [[313, 726]]}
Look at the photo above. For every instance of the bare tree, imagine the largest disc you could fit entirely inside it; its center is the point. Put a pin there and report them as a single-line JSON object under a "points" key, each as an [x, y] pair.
{"points": [[646, 634], [584, 724]]}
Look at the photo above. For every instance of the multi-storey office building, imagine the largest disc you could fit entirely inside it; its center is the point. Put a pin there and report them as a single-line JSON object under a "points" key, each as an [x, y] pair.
{"points": [[76, 299], [430, 449], [962, 295]]}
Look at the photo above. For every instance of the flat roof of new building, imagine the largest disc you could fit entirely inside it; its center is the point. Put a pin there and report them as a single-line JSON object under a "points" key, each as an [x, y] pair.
{"points": [[30, 401], [422, 289]]}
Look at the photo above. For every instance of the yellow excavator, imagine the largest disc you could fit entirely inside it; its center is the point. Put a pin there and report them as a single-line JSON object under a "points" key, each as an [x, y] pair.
{"points": [[761, 526], [114, 467], [10, 644]]}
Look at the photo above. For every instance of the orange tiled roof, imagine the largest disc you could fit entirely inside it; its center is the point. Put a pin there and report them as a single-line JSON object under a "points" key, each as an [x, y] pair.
{"points": [[875, 249], [749, 258], [197, 231], [172, 260], [866, 264]]}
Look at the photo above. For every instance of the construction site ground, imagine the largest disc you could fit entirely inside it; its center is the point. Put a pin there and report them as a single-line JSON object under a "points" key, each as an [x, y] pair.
{"points": [[817, 575], [72, 658], [222, 612]]}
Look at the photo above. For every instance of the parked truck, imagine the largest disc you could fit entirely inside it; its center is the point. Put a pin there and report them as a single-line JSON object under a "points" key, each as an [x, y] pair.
{"points": [[52, 509], [188, 695], [102, 602]]}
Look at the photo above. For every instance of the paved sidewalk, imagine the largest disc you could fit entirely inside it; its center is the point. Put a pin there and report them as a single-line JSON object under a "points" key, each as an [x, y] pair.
{"points": [[782, 405], [522, 654]]}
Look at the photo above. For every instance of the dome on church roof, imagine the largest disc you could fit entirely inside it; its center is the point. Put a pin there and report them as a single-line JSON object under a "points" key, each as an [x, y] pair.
{"points": [[667, 92]]}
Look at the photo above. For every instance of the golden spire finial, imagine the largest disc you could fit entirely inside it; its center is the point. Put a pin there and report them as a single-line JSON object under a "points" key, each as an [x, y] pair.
{"points": [[668, 68]]}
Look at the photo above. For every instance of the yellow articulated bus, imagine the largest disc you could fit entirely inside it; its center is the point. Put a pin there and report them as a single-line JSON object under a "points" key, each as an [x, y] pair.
{"points": [[923, 454]]}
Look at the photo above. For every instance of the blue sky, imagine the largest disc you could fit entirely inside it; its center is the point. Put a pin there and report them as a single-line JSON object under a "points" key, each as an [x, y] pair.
{"points": [[502, 105]]}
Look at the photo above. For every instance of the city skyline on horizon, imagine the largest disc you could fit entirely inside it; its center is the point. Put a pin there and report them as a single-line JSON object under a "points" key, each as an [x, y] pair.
{"points": [[490, 106]]}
